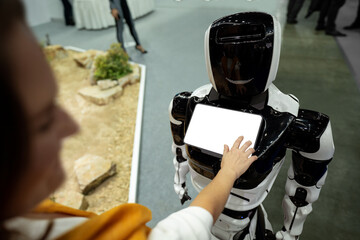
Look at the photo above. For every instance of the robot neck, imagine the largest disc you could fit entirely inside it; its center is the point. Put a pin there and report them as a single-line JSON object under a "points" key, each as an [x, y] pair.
{"points": [[258, 101]]}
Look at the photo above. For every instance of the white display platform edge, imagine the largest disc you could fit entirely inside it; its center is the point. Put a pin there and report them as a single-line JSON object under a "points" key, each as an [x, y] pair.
{"points": [[137, 138], [137, 134], [76, 49]]}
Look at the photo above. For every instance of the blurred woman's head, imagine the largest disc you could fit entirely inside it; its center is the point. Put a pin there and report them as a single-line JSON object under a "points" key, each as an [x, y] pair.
{"points": [[32, 124]]}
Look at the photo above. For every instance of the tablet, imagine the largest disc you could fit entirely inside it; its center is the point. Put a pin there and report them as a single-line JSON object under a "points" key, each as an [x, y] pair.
{"points": [[212, 127]]}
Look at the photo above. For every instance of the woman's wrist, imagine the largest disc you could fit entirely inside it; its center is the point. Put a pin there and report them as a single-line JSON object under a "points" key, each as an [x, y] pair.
{"points": [[228, 174]]}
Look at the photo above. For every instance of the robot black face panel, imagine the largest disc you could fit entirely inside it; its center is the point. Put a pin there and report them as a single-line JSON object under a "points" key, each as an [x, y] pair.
{"points": [[240, 50]]}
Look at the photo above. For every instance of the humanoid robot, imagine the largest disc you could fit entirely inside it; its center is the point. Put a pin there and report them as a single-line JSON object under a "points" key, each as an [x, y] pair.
{"points": [[242, 55]]}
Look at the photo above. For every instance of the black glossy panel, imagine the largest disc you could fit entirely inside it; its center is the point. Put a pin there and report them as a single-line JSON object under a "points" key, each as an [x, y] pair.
{"points": [[241, 48], [179, 156], [307, 171], [179, 105], [239, 214], [178, 112], [177, 133], [299, 198], [306, 131]]}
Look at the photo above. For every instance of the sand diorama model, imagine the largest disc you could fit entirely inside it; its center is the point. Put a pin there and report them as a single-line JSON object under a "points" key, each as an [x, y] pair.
{"points": [[100, 90]]}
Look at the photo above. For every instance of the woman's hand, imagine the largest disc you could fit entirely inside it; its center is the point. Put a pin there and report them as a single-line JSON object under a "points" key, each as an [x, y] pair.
{"points": [[237, 160], [234, 163]]}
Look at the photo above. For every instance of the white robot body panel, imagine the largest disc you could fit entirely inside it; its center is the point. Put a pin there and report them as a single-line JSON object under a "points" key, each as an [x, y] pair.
{"points": [[181, 169], [183, 150], [228, 228], [202, 91], [295, 217], [276, 54], [282, 102], [239, 199], [172, 119]]}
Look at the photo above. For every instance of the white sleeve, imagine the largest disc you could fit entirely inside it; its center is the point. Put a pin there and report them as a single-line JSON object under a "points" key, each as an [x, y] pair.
{"points": [[192, 223]]}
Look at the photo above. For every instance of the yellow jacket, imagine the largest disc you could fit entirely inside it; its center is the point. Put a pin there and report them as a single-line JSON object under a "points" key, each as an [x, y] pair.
{"points": [[126, 221]]}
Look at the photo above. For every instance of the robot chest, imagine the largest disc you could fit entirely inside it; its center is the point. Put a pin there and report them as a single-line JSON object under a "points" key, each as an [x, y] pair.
{"points": [[269, 148], [208, 164]]}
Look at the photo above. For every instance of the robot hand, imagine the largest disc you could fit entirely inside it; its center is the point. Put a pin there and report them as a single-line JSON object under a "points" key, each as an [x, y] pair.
{"points": [[182, 192], [285, 235], [181, 169]]}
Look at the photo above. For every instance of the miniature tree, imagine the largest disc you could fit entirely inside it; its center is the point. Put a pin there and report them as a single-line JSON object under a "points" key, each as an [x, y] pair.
{"points": [[113, 65]]}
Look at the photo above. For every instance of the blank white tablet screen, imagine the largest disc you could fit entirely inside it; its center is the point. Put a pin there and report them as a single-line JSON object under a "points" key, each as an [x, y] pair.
{"points": [[212, 127]]}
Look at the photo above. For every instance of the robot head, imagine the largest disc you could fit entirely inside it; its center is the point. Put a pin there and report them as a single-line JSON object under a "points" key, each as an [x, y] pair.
{"points": [[242, 53]]}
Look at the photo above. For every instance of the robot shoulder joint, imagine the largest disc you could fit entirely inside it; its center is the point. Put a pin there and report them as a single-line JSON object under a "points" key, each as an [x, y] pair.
{"points": [[177, 108], [311, 134]]}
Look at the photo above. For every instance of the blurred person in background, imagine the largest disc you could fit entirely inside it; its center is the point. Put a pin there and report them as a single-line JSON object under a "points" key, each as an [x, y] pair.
{"points": [[328, 13], [68, 13], [294, 7], [120, 11]]}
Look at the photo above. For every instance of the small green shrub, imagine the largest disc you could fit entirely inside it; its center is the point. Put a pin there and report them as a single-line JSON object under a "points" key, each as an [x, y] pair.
{"points": [[113, 65]]}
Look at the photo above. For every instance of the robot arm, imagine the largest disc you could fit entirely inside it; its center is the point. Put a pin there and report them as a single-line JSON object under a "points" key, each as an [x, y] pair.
{"points": [[313, 148], [177, 111]]}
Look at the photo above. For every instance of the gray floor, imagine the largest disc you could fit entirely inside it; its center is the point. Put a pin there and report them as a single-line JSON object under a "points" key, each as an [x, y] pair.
{"points": [[312, 67]]}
